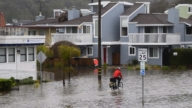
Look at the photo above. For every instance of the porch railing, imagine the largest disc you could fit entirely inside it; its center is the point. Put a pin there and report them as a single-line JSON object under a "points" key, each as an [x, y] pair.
{"points": [[154, 38], [74, 38]]}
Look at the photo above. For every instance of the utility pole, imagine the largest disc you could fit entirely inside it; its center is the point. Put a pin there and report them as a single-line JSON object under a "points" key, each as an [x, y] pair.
{"points": [[99, 39]]}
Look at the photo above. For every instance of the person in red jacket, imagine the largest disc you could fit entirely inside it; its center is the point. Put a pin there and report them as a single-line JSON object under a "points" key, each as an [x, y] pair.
{"points": [[117, 75]]}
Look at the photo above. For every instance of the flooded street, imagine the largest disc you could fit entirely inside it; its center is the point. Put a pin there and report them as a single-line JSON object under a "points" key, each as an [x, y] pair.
{"points": [[162, 90]]}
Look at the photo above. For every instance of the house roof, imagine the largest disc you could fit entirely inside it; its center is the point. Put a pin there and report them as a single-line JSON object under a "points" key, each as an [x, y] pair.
{"points": [[156, 19], [132, 9], [190, 17], [151, 19], [23, 22], [106, 8], [76, 21], [44, 21]]}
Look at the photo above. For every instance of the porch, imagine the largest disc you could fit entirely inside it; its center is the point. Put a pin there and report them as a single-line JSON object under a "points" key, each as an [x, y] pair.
{"points": [[75, 38], [166, 38]]}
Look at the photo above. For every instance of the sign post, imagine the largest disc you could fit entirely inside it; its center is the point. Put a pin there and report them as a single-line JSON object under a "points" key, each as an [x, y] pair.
{"points": [[142, 57], [41, 58]]}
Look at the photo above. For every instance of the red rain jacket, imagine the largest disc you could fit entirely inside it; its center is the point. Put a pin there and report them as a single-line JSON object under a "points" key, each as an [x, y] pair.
{"points": [[117, 73]]}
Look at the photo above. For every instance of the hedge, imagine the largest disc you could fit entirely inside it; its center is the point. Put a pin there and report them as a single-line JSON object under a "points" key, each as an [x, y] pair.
{"points": [[183, 58], [5, 84]]}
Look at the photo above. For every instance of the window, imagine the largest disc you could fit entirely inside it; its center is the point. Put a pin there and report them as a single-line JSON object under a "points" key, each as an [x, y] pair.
{"points": [[31, 32], [153, 53], [71, 30], [96, 27], [41, 32], [60, 30], [164, 29], [124, 26], [132, 51], [2, 55], [11, 55], [86, 29], [23, 55], [188, 30], [151, 29], [89, 50], [31, 54]]}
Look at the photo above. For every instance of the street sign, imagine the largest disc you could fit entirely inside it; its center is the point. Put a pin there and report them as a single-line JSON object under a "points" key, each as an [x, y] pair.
{"points": [[142, 65], [41, 57], [142, 72], [142, 54]]}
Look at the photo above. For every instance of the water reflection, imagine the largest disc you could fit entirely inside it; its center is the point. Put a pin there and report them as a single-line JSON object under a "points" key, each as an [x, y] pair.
{"points": [[162, 89]]}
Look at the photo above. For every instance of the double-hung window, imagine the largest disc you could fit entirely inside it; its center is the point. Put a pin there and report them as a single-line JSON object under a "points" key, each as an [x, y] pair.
{"points": [[153, 53], [132, 51], [86, 29], [31, 54], [23, 54], [124, 26], [89, 50], [11, 53], [3, 55]]}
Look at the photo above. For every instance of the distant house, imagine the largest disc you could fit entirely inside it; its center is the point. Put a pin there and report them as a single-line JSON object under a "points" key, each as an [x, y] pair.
{"points": [[185, 10], [18, 51]]}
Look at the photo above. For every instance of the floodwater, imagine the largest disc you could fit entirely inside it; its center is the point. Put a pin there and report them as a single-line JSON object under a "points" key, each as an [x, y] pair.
{"points": [[161, 90]]}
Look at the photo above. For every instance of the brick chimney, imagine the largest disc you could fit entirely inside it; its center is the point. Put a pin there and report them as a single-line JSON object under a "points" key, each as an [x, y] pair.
{"points": [[2, 20]]}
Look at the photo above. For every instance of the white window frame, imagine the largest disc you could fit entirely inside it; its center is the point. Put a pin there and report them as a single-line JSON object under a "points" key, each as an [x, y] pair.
{"points": [[22, 54], [129, 51], [95, 27], [10, 55], [91, 50], [157, 52], [4, 55], [86, 29], [31, 54], [122, 27]]}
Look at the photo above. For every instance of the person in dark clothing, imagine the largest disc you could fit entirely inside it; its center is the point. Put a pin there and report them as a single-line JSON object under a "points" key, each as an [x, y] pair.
{"points": [[117, 75]]}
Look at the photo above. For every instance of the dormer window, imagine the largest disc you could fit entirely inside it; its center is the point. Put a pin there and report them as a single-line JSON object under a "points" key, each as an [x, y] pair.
{"points": [[124, 26]]}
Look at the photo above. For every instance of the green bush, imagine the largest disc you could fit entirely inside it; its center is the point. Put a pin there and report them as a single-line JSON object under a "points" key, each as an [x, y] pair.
{"points": [[165, 68], [26, 81], [5, 84], [135, 62], [129, 67], [105, 65], [181, 67]]}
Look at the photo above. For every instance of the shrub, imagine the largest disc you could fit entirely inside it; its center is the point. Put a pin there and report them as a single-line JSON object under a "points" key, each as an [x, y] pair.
{"points": [[129, 67], [5, 84], [181, 67], [137, 67], [155, 67], [26, 81], [105, 65], [135, 62], [165, 68]]}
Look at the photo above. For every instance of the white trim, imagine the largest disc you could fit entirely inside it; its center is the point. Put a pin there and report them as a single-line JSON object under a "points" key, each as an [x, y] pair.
{"points": [[104, 3], [127, 43], [123, 16], [87, 51], [190, 42], [132, 22], [129, 51], [154, 24], [157, 53]]}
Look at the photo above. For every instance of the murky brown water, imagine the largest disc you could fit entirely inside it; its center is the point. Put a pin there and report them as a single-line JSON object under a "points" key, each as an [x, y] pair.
{"points": [[162, 90]]}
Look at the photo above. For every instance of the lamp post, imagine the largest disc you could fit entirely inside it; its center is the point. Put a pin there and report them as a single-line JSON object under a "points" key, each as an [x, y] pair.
{"points": [[99, 39]]}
